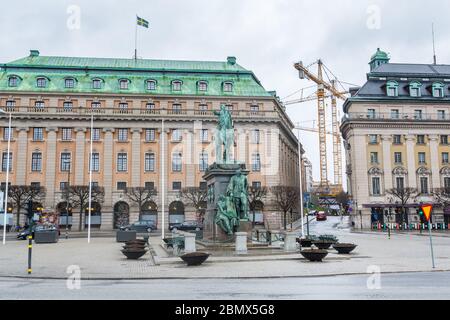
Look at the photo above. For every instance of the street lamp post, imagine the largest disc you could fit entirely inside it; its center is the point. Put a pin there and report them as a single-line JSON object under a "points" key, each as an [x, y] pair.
{"points": [[300, 173], [68, 163], [7, 175]]}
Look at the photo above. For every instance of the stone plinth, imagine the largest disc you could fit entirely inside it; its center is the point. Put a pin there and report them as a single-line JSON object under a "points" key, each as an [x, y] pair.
{"points": [[241, 242], [189, 242], [217, 178], [290, 242]]}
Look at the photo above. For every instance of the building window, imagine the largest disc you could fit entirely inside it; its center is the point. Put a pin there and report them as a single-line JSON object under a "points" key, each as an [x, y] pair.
{"points": [[176, 135], [96, 105], [204, 135], [39, 105], [7, 135], [441, 114], [96, 134], [123, 84], [66, 134], [67, 106], [150, 106], [41, 82], [13, 82], [5, 161], [122, 162], [256, 136], [176, 85], [438, 90], [123, 106], [228, 87], [149, 185], [447, 182], [256, 184], [203, 163], [38, 134], [418, 114], [422, 158], [444, 140], [122, 135], [96, 84], [176, 162], [176, 186], [229, 107], [392, 89], [397, 139], [176, 108], [256, 162], [203, 107], [150, 135], [69, 83], [420, 139], [445, 158], [371, 113], [95, 162], [63, 185], [202, 86], [254, 108], [400, 183], [121, 186], [151, 85], [10, 103], [395, 114], [414, 89], [398, 157], [374, 157], [376, 186], [423, 185], [35, 185], [203, 185], [65, 161], [373, 139], [149, 162]]}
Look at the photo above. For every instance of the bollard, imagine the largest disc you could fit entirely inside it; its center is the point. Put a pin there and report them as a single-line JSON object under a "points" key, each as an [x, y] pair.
{"points": [[30, 247], [290, 242], [241, 242]]}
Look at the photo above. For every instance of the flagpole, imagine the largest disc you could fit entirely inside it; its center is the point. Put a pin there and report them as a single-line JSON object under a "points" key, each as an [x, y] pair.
{"points": [[135, 39], [90, 182]]}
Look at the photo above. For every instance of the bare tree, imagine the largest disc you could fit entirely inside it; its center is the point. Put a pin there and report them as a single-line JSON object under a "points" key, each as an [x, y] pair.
{"points": [[197, 198], [21, 195], [286, 198], [402, 196], [255, 196], [442, 196], [140, 195], [79, 197], [342, 198]]}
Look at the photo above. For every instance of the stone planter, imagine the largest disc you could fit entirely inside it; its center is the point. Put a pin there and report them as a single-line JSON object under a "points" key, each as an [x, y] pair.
{"points": [[124, 236], [133, 254], [314, 255], [46, 236], [323, 245], [195, 258], [344, 248]]}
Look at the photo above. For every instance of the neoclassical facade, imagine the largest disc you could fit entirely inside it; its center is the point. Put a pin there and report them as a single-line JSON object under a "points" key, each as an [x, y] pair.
{"points": [[396, 130], [154, 127]]}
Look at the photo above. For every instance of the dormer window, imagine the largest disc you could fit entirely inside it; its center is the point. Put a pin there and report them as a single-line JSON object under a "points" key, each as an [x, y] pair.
{"points": [[96, 84], [414, 89], [176, 85], [438, 90], [151, 85], [228, 87], [202, 86], [69, 83], [41, 82], [13, 81], [123, 84], [392, 89]]}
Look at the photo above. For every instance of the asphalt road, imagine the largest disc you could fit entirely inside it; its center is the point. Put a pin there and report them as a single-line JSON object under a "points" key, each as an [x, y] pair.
{"points": [[391, 286]]}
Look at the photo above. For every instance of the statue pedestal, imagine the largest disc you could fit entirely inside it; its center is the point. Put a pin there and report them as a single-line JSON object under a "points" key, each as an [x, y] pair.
{"points": [[217, 179]]}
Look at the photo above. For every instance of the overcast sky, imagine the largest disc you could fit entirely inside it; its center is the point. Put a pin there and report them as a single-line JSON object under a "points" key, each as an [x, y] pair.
{"points": [[266, 36]]}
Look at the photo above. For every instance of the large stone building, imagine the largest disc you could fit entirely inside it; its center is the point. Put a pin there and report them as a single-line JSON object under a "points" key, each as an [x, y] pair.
{"points": [[396, 129], [153, 126]]}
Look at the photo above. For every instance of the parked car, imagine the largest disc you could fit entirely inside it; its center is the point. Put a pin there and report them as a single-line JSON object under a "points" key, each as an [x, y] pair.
{"points": [[321, 216], [140, 226], [187, 226]]}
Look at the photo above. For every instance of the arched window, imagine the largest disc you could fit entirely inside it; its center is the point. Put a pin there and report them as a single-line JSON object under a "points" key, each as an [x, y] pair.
{"points": [[13, 81], [69, 83], [375, 180], [399, 176], [423, 176], [41, 82], [227, 86], [202, 86], [392, 89], [438, 90], [123, 84], [445, 177], [415, 89], [176, 214], [151, 85], [176, 85]]}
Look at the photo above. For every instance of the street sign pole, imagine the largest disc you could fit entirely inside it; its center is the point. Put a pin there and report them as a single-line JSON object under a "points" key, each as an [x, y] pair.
{"points": [[431, 245], [427, 210]]}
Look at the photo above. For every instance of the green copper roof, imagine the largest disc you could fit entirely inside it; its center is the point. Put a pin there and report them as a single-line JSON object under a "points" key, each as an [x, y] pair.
{"points": [[110, 71], [380, 55]]}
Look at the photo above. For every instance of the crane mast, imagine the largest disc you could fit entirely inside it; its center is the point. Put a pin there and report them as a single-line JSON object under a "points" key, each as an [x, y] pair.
{"points": [[337, 152]]}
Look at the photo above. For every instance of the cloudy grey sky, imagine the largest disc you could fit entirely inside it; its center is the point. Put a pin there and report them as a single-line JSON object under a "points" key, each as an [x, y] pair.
{"points": [[266, 36]]}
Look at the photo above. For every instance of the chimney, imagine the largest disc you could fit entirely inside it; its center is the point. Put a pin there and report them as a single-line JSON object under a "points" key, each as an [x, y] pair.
{"points": [[34, 53], [231, 60], [353, 91]]}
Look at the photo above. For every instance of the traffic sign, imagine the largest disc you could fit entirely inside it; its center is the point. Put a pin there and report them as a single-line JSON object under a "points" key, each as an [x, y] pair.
{"points": [[427, 208]]}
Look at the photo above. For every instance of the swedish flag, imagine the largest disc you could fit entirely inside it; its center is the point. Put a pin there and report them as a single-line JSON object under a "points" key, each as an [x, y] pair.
{"points": [[142, 22]]}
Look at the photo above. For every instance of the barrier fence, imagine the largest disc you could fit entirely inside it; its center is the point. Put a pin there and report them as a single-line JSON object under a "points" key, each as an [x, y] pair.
{"points": [[409, 226]]}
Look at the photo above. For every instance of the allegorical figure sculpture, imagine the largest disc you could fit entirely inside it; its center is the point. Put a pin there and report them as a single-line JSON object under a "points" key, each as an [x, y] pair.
{"points": [[226, 217], [237, 190], [224, 135]]}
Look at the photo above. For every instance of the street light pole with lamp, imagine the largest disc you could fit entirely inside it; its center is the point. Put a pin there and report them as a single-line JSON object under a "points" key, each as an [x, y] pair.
{"points": [[67, 163], [8, 158]]}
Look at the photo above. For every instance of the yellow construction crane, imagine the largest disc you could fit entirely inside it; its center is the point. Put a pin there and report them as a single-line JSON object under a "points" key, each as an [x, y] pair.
{"points": [[324, 90]]}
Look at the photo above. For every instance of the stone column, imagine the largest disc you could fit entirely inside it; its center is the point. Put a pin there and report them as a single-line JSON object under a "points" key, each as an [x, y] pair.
{"points": [[51, 167], [242, 146], [387, 161], [189, 157], [410, 142], [434, 153], [163, 160], [21, 170], [80, 156], [241, 242], [136, 158]]}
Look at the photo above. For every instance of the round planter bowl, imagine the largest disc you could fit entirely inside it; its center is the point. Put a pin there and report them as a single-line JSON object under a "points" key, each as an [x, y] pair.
{"points": [[323, 245], [314, 255], [134, 247], [195, 258], [344, 248], [133, 254]]}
